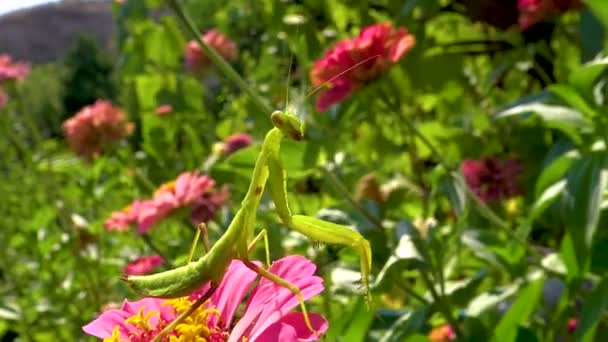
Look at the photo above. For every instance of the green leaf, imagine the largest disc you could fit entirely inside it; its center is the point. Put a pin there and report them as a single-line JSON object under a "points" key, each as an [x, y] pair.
{"points": [[571, 97], [554, 172], [594, 309], [455, 188], [600, 10], [353, 325], [545, 199], [584, 78], [409, 323], [506, 331], [405, 256], [581, 202], [565, 119], [490, 299]]}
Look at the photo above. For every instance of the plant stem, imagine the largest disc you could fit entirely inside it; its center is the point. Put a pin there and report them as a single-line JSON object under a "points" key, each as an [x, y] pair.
{"points": [[341, 188], [442, 303], [156, 250], [224, 67]]}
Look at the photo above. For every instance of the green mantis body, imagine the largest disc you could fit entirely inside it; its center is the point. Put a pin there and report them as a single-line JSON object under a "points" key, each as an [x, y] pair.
{"points": [[234, 243]]}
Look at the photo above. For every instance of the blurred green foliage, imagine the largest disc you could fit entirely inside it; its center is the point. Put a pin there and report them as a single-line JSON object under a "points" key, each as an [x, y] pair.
{"points": [[514, 270]]}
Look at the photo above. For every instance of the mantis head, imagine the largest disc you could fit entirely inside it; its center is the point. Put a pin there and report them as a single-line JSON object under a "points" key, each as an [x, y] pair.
{"points": [[289, 124]]}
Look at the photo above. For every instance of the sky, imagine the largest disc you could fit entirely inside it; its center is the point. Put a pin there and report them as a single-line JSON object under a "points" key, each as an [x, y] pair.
{"points": [[11, 5]]}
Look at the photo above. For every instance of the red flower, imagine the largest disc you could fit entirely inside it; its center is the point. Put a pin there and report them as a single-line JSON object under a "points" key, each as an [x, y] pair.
{"points": [[532, 12], [12, 70], [197, 61], [143, 265], [492, 179], [94, 127], [377, 47]]}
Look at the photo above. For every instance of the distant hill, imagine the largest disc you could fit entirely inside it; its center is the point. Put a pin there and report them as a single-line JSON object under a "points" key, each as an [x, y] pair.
{"points": [[44, 33]]}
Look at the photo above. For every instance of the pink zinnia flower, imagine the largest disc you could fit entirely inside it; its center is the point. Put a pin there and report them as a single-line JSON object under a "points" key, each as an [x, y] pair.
{"points": [[190, 186], [196, 60], [143, 265], [380, 44], [190, 189], [94, 127], [121, 220], [443, 333], [267, 315], [236, 142], [532, 12], [163, 110], [12, 70], [492, 179]]}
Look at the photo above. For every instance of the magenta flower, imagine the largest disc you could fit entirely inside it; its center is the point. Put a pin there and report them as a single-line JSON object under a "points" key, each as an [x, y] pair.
{"points": [[94, 127], [143, 265], [267, 315], [492, 179], [532, 12], [195, 59], [10, 70], [380, 44], [236, 142]]}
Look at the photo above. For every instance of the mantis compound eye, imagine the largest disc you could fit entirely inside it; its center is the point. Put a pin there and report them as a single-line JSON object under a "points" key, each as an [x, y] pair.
{"points": [[288, 123]]}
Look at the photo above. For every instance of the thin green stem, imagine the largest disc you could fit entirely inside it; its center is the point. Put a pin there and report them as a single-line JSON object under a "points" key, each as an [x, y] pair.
{"points": [[224, 67], [341, 188], [146, 238], [441, 302]]}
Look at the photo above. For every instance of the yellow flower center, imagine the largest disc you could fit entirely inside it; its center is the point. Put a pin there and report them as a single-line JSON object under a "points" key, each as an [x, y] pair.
{"points": [[195, 328], [115, 335], [166, 187], [142, 321]]}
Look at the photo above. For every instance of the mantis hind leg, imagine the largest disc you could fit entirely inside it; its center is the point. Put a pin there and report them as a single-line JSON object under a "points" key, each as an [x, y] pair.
{"points": [[284, 283]]}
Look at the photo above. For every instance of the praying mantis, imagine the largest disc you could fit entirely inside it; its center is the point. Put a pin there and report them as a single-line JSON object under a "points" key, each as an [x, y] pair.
{"points": [[238, 239]]}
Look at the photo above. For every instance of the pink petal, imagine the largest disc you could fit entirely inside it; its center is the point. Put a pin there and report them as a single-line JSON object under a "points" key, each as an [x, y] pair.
{"points": [[276, 300], [278, 332], [296, 321], [104, 324], [232, 290]]}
